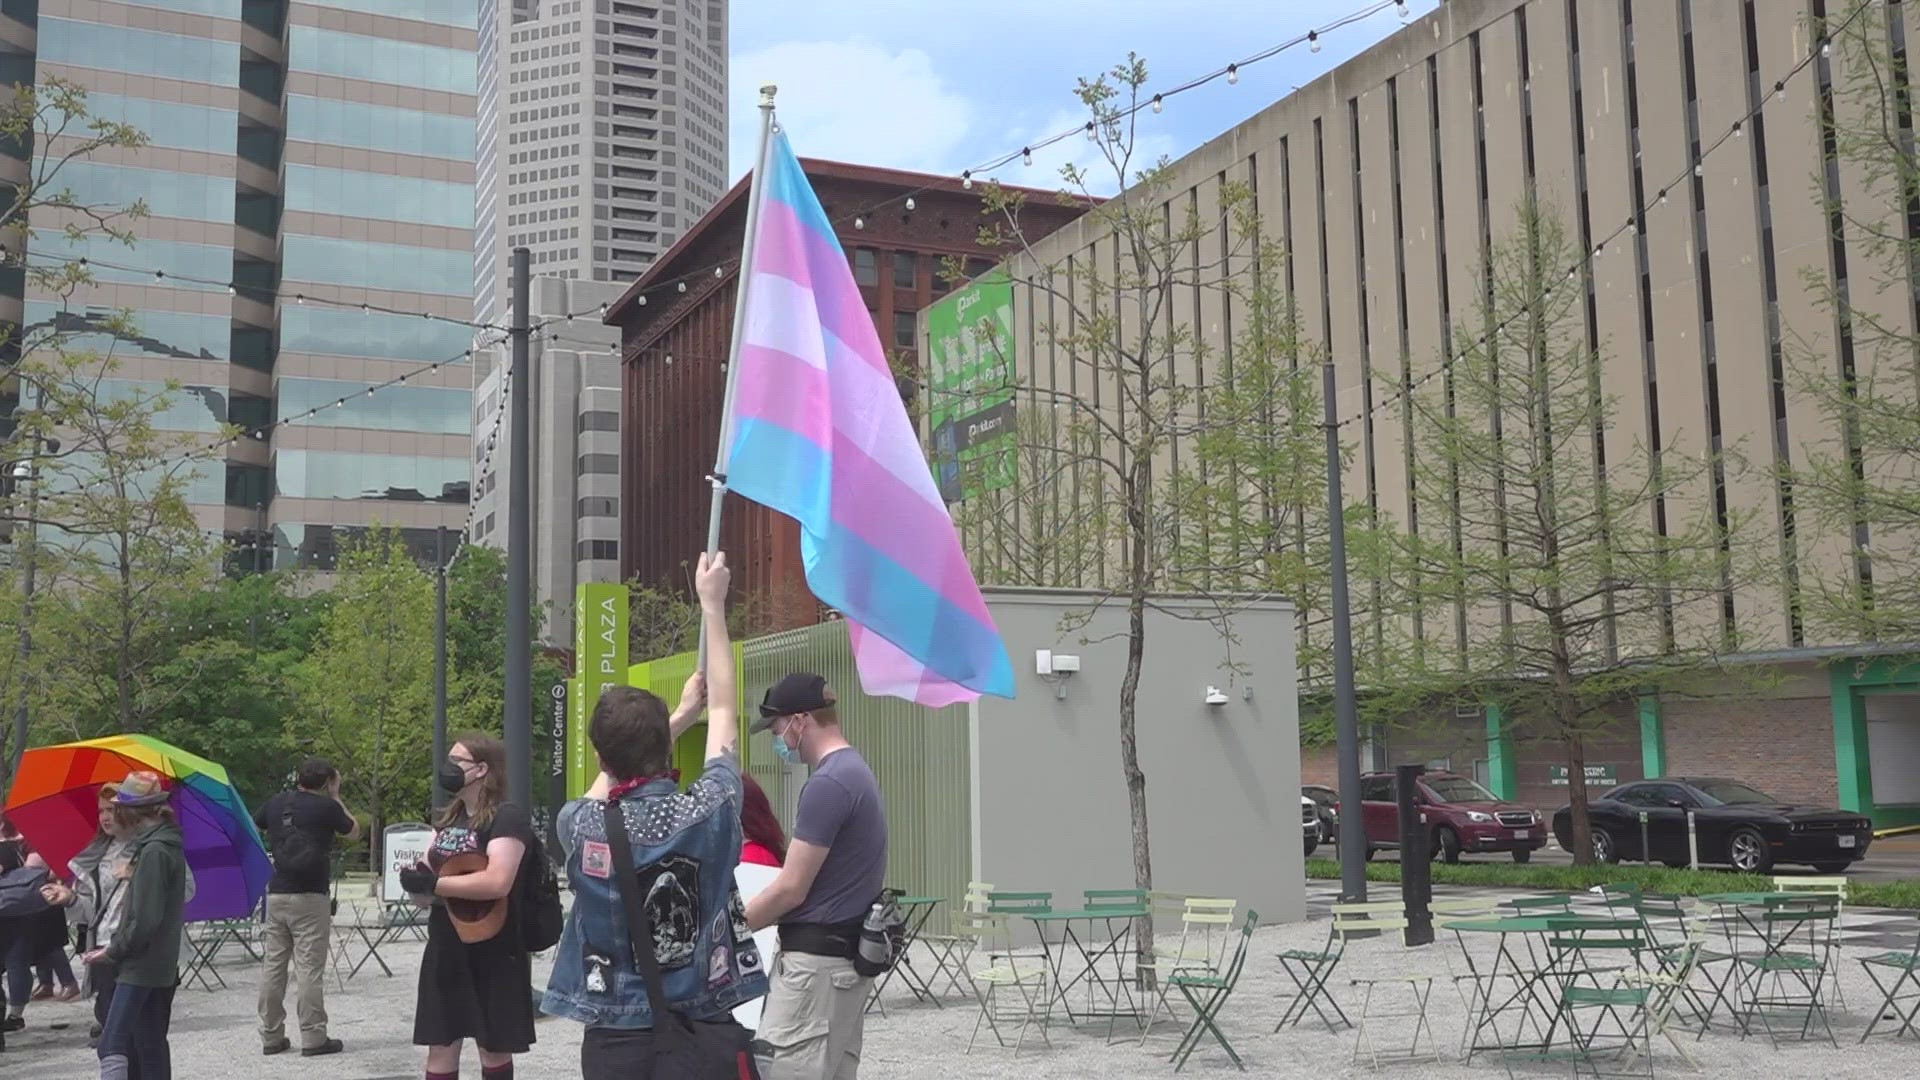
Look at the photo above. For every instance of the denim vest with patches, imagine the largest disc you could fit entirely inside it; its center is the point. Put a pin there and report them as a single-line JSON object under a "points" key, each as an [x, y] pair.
{"points": [[685, 847]]}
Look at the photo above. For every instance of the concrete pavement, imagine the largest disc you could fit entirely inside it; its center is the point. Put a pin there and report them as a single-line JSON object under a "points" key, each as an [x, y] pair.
{"points": [[214, 1037]]}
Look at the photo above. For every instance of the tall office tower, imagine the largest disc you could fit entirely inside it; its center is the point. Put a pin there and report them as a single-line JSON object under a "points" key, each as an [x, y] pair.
{"points": [[310, 163], [603, 135]]}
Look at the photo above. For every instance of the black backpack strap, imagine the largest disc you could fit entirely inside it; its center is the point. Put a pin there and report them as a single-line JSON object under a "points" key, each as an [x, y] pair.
{"points": [[626, 882]]}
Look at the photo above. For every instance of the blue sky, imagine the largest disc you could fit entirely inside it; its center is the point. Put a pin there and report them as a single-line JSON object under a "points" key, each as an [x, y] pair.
{"points": [[941, 87]]}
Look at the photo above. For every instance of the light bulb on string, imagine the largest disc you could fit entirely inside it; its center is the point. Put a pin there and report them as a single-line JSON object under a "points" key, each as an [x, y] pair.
{"points": [[1699, 170], [1091, 137], [1233, 74], [719, 271], [683, 287], [1157, 104], [1738, 129], [859, 223], [1026, 155], [1663, 196], [1780, 90], [1405, 12], [1826, 49], [966, 179], [910, 203], [641, 300], [1313, 40]]}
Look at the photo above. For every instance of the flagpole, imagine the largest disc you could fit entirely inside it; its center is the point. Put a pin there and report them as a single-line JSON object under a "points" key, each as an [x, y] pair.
{"points": [[756, 195]]}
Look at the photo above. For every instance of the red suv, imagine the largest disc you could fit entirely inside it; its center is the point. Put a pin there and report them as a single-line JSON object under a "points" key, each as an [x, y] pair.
{"points": [[1464, 817]]}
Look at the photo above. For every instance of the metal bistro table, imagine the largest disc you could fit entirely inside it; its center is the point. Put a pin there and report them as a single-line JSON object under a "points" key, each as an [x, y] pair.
{"points": [[1055, 953], [916, 910], [1536, 992]]}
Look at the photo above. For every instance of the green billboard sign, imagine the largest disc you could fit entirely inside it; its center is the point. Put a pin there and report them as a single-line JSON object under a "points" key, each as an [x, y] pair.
{"points": [[970, 375], [600, 661]]}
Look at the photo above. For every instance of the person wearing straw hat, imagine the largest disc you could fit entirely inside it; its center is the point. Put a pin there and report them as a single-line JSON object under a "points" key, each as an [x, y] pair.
{"points": [[145, 947]]}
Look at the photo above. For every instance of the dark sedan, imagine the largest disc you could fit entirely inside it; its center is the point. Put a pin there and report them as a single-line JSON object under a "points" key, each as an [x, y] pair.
{"points": [[1326, 801], [1735, 825]]}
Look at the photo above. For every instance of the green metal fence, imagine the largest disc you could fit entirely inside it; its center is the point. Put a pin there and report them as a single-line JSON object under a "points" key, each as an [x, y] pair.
{"points": [[920, 756]]}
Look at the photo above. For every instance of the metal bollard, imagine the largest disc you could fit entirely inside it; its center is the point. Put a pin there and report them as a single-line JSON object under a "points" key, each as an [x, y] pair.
{"points": [[1693, 843], [1646, 850]]}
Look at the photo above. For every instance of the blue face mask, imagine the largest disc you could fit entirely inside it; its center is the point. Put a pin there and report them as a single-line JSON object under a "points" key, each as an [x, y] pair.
{"points": [[787, 753]]}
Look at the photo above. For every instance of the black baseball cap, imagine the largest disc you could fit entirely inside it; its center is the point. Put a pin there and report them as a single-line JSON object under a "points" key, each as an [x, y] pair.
{"points": [[796, 693]]}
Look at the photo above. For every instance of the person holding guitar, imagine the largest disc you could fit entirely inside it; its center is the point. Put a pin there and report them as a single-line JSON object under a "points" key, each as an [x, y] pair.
{"points": [[476, 969]]}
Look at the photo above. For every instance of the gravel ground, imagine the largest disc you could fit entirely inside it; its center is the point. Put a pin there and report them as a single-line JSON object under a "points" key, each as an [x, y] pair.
{"points": [[214, 1037]]}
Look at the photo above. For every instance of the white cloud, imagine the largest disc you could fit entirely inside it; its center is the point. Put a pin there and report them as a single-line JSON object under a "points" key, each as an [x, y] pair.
{"points": [[851, 101]]}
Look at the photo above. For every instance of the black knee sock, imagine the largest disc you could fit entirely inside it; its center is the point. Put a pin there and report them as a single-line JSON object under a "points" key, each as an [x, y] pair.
{"points": [[497, 1072]]}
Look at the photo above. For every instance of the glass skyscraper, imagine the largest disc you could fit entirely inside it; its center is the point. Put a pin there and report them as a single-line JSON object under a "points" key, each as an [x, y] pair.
{"points": [[318, 156]]}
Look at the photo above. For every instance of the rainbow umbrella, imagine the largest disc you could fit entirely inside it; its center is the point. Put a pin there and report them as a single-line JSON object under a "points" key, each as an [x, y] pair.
{"points": [[55, 802]]}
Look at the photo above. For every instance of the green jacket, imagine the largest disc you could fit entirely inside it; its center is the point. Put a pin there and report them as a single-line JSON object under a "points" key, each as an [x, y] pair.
{"points": [[146, 944]]}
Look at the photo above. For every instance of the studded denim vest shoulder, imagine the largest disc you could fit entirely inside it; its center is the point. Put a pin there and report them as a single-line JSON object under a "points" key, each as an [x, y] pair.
{"points": [[685, 847]]}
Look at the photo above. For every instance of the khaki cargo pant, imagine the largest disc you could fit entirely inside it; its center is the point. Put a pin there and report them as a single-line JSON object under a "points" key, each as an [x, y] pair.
{"points": [[298, 932], [814, 1019]]}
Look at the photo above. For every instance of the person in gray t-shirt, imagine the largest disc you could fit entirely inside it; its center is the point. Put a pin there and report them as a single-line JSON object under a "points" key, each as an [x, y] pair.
{"points": [[835, 869]]}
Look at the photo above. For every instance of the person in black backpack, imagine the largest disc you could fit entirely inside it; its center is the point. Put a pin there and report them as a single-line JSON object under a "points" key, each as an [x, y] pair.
{"points": [[301, 825]]}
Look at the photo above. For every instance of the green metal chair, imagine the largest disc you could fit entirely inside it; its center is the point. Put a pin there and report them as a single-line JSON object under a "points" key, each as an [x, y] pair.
{"points": [[1418, 984], [1620, 898], [1109, 898], [1826, 885], [1676, 928], [1208, 995], [1198, 947], [1788, 973], [1008, 988], [1904, 991], [1311, 968], [1639, 1006], [952, 951], [1555, 904]]}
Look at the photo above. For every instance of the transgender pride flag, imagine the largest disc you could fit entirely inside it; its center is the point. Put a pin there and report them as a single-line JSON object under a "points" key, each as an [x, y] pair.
{"points": [[820, 435]]}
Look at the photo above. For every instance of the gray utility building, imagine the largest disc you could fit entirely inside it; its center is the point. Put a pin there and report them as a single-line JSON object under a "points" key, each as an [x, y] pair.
{"points": [[1027, 794]]}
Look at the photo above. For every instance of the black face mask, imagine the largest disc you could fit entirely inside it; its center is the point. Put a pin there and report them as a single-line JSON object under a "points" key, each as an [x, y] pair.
{"points": [[451, 777]]}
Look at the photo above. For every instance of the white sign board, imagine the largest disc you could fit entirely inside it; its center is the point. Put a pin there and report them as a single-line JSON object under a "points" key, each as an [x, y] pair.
{"points": [[751, 878], [401, 846]]}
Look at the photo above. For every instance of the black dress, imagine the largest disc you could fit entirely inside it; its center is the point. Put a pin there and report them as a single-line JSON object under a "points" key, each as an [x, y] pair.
{"points": [[479, 991]]}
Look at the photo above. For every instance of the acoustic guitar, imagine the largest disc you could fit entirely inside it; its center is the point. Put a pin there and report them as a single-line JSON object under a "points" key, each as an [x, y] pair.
{"points": [[474, 920]]}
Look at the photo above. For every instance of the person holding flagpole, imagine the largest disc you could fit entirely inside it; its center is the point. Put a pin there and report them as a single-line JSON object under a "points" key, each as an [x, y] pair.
{"points": [[812, 426]]}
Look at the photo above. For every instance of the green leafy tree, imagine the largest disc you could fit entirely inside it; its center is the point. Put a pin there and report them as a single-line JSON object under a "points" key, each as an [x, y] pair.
{"points": [[1547, 554], [236, 660], [366, 692], [1853, 482], [663, 622], [1192, 474]]}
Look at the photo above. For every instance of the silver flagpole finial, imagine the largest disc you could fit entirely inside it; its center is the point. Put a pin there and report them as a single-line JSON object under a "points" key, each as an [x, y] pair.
{"points": [[766, 95]]}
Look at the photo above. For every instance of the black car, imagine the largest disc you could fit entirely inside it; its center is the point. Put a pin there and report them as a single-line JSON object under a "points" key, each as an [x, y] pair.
{"points": [[1735, 825], [1326, 801]]}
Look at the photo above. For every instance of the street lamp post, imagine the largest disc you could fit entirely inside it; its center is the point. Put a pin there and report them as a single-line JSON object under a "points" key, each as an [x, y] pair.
{"points": [[25, 475]]}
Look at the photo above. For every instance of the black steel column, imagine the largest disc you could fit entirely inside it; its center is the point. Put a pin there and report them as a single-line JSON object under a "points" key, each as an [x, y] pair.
{"points": [[1416, 867], [519, 720]]}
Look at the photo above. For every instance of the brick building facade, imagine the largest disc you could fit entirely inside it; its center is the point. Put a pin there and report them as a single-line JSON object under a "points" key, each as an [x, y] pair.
{"points": [[899, 230]]}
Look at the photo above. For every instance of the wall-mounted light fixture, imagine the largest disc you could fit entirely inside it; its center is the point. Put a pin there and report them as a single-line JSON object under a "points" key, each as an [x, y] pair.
{"points": [[1055, 668]]}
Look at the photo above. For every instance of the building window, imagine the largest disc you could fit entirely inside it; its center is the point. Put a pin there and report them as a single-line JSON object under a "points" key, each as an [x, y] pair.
{"points": [[906, 270], [595, 506], [598, 421], [608, 464], [903, 329], [978, 268], [866, 266], [586, 550]]}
